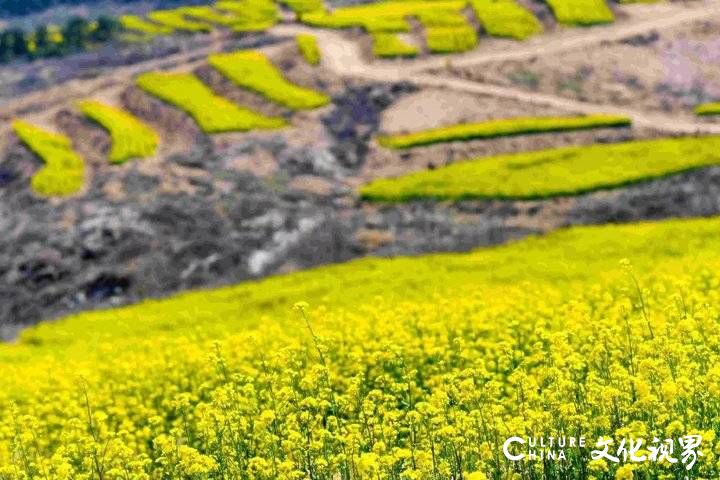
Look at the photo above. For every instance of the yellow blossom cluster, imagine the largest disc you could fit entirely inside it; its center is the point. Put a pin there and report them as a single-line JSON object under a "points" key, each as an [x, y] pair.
{"points": [[393, 369]]}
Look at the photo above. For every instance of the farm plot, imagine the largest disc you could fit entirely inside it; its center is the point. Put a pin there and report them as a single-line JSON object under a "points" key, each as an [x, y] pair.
{"points": [[64, 170], [708, 109], [301, 7], [581, 12], [308, 48], [176, 20], [381, 16], [451, 39], [389, 45], [502, 128], [253, 71], [133, 23], [209, 15], [131, 138], [506, 18], [442, 346], [213, 114], [548, 173], [253, 15]]}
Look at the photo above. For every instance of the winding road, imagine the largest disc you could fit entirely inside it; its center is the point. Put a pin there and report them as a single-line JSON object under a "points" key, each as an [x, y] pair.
{"points": [[344, 57]]}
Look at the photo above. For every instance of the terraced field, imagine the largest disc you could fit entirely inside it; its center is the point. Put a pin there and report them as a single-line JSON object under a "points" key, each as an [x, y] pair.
{"points": [[64, 170], [501, 128], [252, 70], [131, 138], [308, 48], [388, 44], [213, 114], [267, 147], [567, 171]]}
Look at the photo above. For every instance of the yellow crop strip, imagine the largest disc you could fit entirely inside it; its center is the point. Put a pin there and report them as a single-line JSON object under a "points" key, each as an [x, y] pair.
{"points": [[308, 48], [176, 20], [253, 15], [137, 24], [451, 39], [506, 18], [708, 109], [391, 45], [301, 7], [396, 369], [253, 71], [379, 16], [549, 173], [502, 128], [64, 170], [213, 114], [131, 138], [581, 12], [209, 15]]}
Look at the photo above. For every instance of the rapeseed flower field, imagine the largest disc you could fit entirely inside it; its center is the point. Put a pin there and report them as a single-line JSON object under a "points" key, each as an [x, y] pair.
{"points": [[412, 368], [64, 170]]}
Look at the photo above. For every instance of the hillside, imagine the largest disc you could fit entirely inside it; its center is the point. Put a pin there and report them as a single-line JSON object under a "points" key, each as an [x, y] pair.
{"points": [[296, 239], [444, 345]]}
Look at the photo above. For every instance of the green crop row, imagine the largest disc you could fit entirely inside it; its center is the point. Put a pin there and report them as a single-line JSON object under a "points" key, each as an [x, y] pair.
{"points": [[388, 45], [213, 114], [581, 12], [451, 39], [506, 18], [252, 70], [308, 48], [548, 173], [131, 138], [64, 170], [502, 128]]}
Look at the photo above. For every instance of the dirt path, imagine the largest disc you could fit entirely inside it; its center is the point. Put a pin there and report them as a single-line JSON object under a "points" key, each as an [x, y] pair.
{"points": [[344, 57]]}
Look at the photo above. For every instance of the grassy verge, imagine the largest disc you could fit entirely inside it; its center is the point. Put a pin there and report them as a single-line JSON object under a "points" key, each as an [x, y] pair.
{"points": [[64, 170], [466, 349], [502, 128], [581, 12], [549, 173], [131, 138], [253, 71], [213, 114]]}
